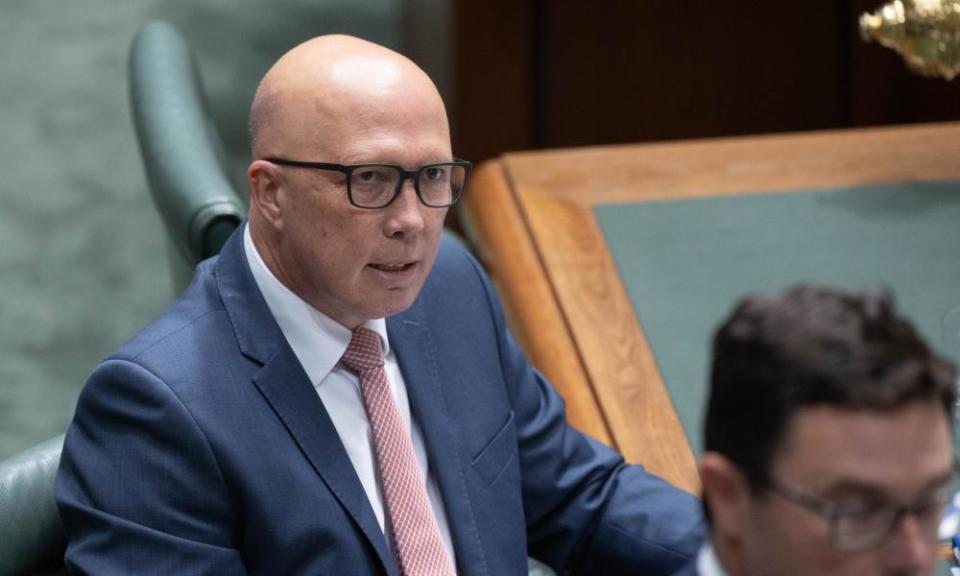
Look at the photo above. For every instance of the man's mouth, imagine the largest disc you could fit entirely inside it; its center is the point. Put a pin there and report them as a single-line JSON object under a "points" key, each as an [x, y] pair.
{"points": [[392, 266]]}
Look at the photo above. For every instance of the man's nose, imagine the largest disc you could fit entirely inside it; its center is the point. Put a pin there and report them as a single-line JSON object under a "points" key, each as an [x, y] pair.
{"points": [[405, 213], [910, 549]]}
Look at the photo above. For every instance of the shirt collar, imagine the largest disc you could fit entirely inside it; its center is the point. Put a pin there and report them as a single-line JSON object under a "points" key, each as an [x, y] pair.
{"points": [[707, 562], [317, 340]]}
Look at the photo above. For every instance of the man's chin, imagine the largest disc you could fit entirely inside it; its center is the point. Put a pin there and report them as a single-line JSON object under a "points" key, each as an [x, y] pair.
{"points": [[398, 301]]}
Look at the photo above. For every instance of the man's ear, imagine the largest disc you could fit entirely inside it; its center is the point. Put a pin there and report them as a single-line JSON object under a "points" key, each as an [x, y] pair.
{"points": [[727, 494], [266, 182]]}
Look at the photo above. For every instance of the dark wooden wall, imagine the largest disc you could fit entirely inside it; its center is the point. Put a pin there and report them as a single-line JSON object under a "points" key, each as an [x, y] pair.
{"points": [[552, 73]]}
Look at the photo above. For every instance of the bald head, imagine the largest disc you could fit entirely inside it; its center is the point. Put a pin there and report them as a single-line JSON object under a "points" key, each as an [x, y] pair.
{"points": [[341, 100], [330, 81]]}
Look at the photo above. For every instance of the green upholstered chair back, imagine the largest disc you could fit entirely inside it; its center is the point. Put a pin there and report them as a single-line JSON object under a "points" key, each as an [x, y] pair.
{"points": [[32, 540], [181, 148]]}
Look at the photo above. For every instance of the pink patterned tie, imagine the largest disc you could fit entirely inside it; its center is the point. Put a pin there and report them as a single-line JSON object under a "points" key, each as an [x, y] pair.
{"points": [[417, 544]]}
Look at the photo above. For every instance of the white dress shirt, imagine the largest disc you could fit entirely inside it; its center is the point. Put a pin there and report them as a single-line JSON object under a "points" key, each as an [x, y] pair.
{"points": [[319, 342], [707, 562]]}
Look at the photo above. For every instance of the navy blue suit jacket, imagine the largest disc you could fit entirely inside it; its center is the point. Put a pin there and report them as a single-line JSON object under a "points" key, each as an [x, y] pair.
{"points": [[201, 447]]}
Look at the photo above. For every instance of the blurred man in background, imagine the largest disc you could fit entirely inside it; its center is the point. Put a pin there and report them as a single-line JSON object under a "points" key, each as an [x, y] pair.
{"points": [[828, 440]]}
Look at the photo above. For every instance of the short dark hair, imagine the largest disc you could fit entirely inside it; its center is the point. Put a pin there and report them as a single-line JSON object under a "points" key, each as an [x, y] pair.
{"points": [[812, 346]]}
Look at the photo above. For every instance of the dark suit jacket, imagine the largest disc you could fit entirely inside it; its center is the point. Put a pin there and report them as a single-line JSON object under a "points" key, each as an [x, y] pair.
{"points": [[201, 447]]}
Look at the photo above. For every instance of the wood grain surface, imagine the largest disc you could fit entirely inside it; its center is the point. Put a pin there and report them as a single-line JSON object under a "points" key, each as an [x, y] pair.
{"points": [[531, 216]]}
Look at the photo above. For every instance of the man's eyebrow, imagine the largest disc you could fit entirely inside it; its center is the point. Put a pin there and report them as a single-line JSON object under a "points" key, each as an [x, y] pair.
{"points": [[853, 486], [364, 160], [850, 486], [941, 480]]}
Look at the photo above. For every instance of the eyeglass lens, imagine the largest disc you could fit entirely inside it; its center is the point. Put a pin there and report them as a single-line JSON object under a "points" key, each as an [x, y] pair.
{"points": [[375, 186], [871, 527]]}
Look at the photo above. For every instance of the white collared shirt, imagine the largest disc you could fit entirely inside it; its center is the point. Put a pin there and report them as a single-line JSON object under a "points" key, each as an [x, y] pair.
{"points": [[707, 562], [319, 342]]}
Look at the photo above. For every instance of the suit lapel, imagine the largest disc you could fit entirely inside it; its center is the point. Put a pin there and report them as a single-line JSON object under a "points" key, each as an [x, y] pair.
{"points": [[288, 390], [425, 376], [286, 387]]}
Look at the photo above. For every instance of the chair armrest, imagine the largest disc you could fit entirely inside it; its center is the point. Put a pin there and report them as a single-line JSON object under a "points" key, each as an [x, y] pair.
{"points": [[32, 538]]}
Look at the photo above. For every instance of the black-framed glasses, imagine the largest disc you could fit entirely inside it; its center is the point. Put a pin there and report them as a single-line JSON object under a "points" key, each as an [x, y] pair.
{"points": [[865, 527], [377, 185]]}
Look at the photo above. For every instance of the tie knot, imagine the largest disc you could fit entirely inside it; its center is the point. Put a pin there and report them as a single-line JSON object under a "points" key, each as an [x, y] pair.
{"points": [[364, 351]]}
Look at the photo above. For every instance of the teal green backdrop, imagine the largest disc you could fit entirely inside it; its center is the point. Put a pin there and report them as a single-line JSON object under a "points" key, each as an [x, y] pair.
{"points": [[685, 263]]}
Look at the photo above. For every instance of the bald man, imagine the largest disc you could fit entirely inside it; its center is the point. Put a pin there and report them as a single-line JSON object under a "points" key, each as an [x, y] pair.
{"points": [[337, 392]]}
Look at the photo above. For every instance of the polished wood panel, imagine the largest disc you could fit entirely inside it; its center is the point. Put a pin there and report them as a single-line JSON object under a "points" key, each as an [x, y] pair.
{"points": [[547, 74], [490, 102], [532, 215], [629, 71]]}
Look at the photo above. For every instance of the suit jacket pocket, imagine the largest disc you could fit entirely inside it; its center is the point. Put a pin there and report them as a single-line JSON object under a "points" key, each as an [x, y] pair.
{"points": [[491, 461]]}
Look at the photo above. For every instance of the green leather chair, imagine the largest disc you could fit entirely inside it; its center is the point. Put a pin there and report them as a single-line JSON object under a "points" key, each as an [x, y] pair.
{"points": [[182, 152], [32, 540]]}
